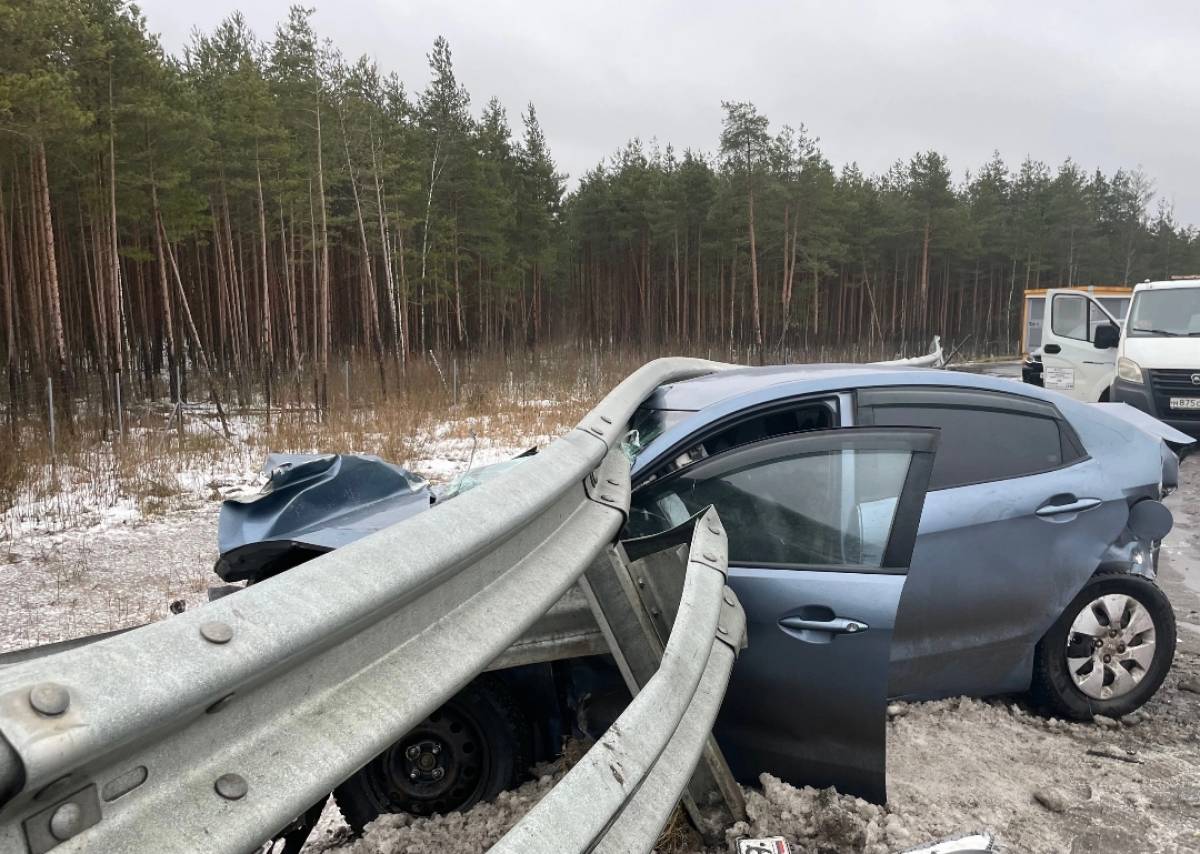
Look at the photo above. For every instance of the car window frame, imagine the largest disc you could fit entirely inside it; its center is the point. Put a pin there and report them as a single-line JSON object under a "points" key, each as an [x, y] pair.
{"points": [[833, 399], [961, 397], [1087, 317], [902, 535]]}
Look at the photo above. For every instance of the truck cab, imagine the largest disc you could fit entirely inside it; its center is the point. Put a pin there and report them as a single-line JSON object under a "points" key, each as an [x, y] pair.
{"points": [[1157, 366], [1111, 299], [1079, 341]]}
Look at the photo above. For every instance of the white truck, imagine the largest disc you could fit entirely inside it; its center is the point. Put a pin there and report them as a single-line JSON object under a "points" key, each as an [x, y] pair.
{"points": [[1151, 361]]}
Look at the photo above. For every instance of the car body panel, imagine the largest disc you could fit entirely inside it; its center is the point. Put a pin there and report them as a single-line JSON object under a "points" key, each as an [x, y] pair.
{"points": [[1146, 422], [940, 649], [983, 544], [807, 699], [1071, 363], [811, 714], [314, 503]]}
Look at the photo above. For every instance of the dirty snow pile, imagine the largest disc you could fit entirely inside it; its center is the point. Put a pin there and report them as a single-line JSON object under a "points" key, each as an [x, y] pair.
{"points": [[476, 830]]}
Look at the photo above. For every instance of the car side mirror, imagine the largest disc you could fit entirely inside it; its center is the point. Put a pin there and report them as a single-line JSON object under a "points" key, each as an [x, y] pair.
{"points": [[1107, 336]]}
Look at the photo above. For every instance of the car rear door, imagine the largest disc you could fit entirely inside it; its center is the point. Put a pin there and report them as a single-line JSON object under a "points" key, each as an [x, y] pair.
{"points": [[1071, 362], [1017, 518], [821, 528]]}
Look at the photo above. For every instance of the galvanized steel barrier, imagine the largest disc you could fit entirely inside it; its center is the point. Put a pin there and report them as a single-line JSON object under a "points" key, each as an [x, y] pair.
{"points": [[653, 746], [214, 729]]}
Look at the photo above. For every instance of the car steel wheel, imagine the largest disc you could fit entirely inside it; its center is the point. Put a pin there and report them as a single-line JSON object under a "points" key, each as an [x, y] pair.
{"points": [[1111, 646]]}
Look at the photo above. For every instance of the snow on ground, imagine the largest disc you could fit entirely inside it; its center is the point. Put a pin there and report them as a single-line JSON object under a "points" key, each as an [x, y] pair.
{"points": [[80, 556]]}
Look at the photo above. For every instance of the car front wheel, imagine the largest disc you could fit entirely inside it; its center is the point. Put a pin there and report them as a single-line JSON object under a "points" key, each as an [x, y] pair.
{"points": [[471, 749], [1109, 651]]}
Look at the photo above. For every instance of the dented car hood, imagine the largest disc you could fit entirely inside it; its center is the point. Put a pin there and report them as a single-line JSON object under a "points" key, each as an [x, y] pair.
{"points": [[317, 502]]}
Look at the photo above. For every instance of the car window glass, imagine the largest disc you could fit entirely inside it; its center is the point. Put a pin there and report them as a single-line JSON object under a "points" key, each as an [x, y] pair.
{"points": [[978, 445], [831, 508], [1118, 307], [1069, 317], [798, 418]]}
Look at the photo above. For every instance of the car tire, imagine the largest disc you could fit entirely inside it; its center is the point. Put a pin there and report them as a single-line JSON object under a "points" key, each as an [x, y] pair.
{"points": [[471, 749], [1076, 663]]}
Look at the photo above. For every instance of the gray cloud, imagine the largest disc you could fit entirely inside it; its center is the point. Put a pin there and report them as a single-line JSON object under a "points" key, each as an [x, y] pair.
{"points": [[1108, 84]]}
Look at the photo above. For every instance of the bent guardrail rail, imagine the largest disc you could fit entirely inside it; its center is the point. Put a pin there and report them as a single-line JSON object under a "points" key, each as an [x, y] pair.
{"points": [[653, 747], [214, 729]]}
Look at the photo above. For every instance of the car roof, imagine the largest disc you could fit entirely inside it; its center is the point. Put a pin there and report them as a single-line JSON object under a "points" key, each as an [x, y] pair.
{"points": [[791, 380], [723, 393], [1173, 284]]}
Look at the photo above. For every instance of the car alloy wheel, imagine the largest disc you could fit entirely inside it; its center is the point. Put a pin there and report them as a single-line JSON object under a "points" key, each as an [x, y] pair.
{"points": [[1111, 646]]}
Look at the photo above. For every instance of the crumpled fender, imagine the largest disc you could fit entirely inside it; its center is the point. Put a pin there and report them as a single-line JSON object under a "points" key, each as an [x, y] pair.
{"points": [[313, 503]]}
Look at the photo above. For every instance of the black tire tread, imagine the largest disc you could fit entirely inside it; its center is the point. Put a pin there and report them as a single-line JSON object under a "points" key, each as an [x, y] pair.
{"points": [[359, 807], [1045, 687]]}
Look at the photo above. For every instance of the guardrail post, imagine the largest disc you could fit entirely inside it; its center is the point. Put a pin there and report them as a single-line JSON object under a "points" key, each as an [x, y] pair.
{"points": [[634, 602]]}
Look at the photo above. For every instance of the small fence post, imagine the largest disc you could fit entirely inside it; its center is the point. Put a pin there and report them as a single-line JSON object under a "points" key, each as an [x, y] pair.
{"points": [[50, 399], [120, 414]]}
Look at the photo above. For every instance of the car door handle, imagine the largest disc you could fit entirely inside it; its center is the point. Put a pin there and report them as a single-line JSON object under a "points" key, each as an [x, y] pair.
{"points": [[1077, 506], [1052, 349], [836, 626]]}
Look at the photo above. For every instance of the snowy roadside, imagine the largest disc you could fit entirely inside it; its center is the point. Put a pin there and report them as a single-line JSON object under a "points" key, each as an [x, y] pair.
{"points": [[84, 557]]}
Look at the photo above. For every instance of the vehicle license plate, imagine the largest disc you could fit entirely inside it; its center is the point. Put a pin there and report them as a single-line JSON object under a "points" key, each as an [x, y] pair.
{"points": [[767, 845], [1058, 377], [1185, 403]]}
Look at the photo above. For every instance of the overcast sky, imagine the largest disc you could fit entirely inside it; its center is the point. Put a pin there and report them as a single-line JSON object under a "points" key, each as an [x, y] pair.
{"points": [[1109, 84]]}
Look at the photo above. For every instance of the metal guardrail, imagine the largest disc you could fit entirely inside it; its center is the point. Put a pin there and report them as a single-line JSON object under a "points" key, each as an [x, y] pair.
{"points": [[653, 747], [214, 729]]}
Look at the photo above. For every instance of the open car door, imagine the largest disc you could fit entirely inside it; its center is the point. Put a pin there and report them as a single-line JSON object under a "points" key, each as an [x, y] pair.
{"points": [[1071, 361], [821, 528]]}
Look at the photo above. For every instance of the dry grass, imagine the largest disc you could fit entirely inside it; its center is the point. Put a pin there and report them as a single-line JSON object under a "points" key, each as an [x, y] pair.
{"points": [[433, 417]]}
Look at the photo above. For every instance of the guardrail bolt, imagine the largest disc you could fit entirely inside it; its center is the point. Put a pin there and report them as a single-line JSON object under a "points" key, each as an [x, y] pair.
{"points": [[728, 600], [641, 582], [214, 631], [66, 821], [232, 787], [49, 699]]}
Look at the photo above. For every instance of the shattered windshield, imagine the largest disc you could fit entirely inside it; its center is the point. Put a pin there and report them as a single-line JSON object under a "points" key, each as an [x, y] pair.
{"points": [[646, 426], [1173, 312]]}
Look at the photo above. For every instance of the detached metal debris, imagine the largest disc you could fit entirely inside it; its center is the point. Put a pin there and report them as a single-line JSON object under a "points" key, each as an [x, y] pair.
{"points": [[979, 843]]}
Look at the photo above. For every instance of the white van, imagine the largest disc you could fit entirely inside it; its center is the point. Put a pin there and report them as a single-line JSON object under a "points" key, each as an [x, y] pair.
{"points": [[1151, 362]]}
